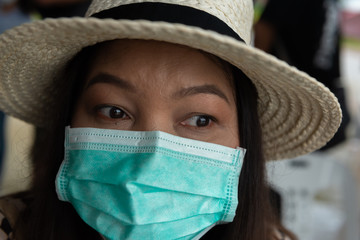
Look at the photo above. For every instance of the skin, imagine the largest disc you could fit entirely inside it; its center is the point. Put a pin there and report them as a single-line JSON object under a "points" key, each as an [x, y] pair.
{"points": [[141, 85]]}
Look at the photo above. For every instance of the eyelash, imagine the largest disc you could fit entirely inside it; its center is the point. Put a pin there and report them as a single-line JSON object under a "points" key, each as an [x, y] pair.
{"points": [[209, 120], [104, 111]]}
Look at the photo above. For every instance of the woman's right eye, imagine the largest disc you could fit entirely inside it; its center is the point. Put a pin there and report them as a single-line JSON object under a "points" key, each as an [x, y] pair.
{"points": [[112, 112]]}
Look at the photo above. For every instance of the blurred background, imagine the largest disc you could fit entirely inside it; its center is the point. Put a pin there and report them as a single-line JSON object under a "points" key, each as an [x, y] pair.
{"points": [[16, 136], [316, 196]]}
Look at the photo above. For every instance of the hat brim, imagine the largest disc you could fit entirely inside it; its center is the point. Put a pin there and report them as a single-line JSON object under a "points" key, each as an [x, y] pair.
{"points": [[297, 113]]}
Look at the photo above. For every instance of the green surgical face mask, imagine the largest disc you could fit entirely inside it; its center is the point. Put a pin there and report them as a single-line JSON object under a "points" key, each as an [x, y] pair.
{"points": [[148, 185]]}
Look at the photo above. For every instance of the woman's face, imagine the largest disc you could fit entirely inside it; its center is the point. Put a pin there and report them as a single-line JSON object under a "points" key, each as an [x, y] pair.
{"points": [[154, 86]]}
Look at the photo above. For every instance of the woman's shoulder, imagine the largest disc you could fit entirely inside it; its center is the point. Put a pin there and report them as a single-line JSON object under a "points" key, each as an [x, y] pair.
{"points": [[10, 207]]}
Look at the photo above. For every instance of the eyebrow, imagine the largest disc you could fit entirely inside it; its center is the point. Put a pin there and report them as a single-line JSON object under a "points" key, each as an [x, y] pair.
{"points": [[203, 89], [207, 89], [108, 78]]}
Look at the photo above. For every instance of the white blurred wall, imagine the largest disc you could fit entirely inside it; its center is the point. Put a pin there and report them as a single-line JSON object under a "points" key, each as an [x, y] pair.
{"points": [[16, 171]]}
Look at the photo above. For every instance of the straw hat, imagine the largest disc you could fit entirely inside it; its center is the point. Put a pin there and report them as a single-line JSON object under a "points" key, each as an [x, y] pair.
{"points": [[297, 114]]}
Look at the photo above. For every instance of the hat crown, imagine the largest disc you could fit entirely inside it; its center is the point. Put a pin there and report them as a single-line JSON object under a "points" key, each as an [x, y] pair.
{"points": [[237, 14]]}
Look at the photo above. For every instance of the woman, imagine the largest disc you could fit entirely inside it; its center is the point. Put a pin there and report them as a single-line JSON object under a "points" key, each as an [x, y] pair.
{"points": [[158, 104]]}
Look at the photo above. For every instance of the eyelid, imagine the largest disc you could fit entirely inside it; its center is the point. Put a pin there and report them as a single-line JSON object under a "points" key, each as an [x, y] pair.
{"points": [[198, 114], [99, 107], [211, 118]]}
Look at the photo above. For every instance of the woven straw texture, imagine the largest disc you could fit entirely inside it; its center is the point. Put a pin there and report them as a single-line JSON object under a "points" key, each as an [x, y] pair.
{"points": [[298, 114]]}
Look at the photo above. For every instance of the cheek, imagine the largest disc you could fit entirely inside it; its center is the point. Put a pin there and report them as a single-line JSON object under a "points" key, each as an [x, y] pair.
{"points": [[231, 138], [80, 116]]}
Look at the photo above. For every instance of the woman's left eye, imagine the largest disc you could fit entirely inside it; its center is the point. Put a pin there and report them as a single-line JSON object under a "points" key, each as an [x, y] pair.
{"points": [[112, 112], [198, 121]]}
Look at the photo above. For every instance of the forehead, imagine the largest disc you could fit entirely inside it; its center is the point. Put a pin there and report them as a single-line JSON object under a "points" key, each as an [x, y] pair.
{"points": [[149, 49], [167, 60]]}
